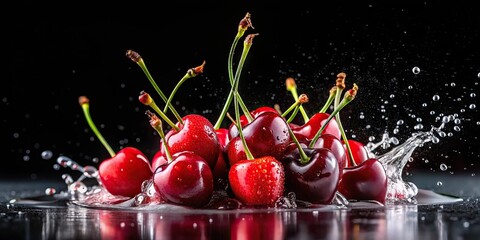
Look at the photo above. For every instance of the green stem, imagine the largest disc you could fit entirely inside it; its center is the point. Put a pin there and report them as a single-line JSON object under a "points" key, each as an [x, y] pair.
{"points": [[325, 107], [86, 111], [142, 65], [304, 159], [341, 105], [342, 131], [169, 100], [154, 106], [294, 114], [295, 96], [156, 123], [292, 107], [233, 79]]}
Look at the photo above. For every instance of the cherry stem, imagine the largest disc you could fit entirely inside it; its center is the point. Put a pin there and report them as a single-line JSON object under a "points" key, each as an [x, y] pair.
{"points": [[330, 99], [304, 159], [342, 131], [134, 56], [85, 104], [243, 26], [156, 124], [301, 100], [341, 105], [147, 100], [192, 72], [231, 119], [246, 47], [294, 114], [292, 87]]}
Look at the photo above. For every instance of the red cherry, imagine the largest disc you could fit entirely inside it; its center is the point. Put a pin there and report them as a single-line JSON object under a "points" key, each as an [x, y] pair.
{"points": [[259, 181], [124, 173], [233, 131], [367, 181], [308, 130], [315, 181], [359, 152], [186, 180], [158, 159], [267, 135], [335, 145], [197, 135], [220, 171]]}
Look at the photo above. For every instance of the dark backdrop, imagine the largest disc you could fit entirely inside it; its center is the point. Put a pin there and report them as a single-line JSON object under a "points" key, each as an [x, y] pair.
{"points": [[53, 57]]}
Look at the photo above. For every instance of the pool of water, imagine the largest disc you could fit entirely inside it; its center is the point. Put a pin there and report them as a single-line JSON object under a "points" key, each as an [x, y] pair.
{"points": [[435, 216]]}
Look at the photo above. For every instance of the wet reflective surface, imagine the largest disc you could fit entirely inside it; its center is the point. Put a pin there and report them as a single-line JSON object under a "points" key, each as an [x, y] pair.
{"points": [[49, 220]]}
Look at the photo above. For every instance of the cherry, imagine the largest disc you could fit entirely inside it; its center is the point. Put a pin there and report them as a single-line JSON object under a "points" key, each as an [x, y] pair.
{"points": [[123, 173], [311, 173], [267, 135], [366, 181], [233, 130], [196, 134], [158, 159], [308, 130], [186, 178], [335, 145], [258, 181], [359, 152]]}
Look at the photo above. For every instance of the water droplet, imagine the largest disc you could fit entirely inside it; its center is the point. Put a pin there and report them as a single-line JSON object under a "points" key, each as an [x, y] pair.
{"points": [[452, 84], [416, 70], [478, 75], [419, 119], [400, 122], [50, 191], [456, 128], [26, 158], [371, 138], [395, 131], [392, 96], [443, 167], [432, 112], [473, 95], [436, 97], [439, 183], [424, 105], [47, 154], [56, 166], [435, 140], [90, 172], [472, 106], [418, 127]]}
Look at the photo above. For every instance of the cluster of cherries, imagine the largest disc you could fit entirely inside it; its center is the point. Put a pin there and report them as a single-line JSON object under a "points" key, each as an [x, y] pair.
{"points": [[257, 160]]}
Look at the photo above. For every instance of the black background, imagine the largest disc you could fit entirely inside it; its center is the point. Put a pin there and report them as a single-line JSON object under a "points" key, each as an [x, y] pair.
{"points": [[53, 57]]}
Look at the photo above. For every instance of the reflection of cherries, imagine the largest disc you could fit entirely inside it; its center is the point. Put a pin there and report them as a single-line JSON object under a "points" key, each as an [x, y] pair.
{"points": [[267, 135], [263, 226], [186, 180], [314, 181], [367, 181], [308, 130]]}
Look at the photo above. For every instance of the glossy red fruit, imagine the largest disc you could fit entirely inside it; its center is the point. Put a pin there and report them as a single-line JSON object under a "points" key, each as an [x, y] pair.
{"points": [[186, 180], [315, 181], [158, 160], [366, 181], [359, 152], [335, 145], [197, 135], [220, 171], [257, 182], [308, 130], [233, 131], [124, 173], [267, 135]]}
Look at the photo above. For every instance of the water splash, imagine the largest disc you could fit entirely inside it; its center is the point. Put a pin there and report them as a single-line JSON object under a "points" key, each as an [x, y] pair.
{"points": [[394, 161]]}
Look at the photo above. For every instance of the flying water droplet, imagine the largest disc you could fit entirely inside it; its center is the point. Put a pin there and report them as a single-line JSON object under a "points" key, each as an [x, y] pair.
{"points": [[46, 155], [443, 167], [436, 97], [416, 70]]}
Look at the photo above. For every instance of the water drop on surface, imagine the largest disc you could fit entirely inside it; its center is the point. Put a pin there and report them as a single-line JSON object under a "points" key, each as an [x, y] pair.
{"points": [[416, 70]]}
